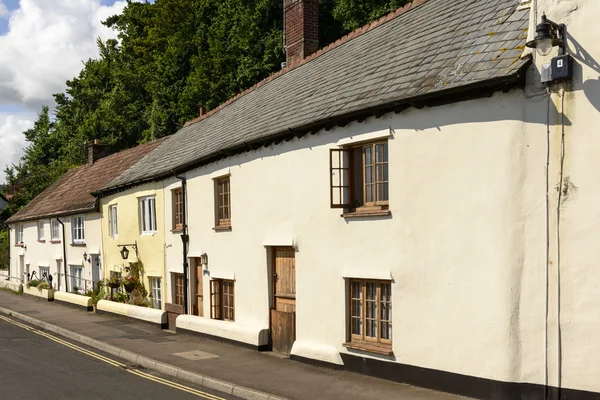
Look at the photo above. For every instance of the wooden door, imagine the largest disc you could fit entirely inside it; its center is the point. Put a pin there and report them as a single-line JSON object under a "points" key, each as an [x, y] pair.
{"points": [[283, 313], [199, 298]]}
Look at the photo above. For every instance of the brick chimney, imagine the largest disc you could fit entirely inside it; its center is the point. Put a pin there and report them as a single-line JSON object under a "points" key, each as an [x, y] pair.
{"points": [[96, 151], [301, 29]]}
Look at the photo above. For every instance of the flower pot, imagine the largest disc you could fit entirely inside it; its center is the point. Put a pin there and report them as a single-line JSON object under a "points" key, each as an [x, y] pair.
{"points": [[129, 286], [113, 285]]}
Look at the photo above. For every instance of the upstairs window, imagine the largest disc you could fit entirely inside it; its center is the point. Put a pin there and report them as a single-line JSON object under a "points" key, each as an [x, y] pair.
{"points": [[41, 234], [19, 235], [113, 227], [222, 300], [148, 215], [359, 177], [54, 230], [223, 194], [78, 229], [177, 200]]}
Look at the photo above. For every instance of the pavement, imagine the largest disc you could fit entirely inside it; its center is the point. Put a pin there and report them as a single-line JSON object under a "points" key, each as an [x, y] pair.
{"points": [[38, 366], [213, 364]]}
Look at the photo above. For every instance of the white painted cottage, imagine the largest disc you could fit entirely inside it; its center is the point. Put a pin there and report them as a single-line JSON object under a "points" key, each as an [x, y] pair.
{"points": [[57, 236], [410, 202]]}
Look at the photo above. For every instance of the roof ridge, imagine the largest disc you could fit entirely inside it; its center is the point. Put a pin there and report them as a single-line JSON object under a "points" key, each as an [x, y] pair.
{"points": [[343, 40]]}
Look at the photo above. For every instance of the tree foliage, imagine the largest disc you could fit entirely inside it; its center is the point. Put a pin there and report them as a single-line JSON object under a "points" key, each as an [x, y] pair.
{"points": [[171, 57]]}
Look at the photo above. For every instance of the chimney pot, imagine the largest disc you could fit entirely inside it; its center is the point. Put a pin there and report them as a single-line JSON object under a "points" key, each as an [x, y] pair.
{"points": [[301, 29]]}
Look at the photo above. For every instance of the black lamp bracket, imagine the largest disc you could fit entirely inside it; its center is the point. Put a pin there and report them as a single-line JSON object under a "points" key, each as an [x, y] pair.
{"points": [[134, 245]]}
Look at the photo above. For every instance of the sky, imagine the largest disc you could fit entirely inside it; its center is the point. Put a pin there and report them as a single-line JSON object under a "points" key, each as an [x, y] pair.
{"points": [[42, 44]]}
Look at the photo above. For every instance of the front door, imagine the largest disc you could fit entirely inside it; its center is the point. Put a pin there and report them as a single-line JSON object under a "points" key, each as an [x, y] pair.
{"points": [[283, 313], [199, 298], [95, 270]]}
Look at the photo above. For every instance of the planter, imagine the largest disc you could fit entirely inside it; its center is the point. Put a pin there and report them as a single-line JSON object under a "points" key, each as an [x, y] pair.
{"points": [[129, 287], [74, 299], [113, 285], [47, 294], [151, 315]]}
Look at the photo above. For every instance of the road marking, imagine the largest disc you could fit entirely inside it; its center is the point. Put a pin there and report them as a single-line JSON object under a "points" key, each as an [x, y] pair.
{"points": [[114, 362]]}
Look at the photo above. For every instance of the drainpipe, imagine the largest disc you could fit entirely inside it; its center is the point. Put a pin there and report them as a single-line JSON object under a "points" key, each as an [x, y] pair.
{"points": [[185, 239], [64, 241]]}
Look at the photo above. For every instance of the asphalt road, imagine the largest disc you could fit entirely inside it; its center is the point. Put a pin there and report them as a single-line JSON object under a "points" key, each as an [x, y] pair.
{"points": [[44, 366]]}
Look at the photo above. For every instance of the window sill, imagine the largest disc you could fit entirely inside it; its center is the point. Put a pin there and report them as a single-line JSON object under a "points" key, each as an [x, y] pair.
{"points": [[55, 241], [222, 228], [369, 213], [178, 230], [19, 245], [78, 244], [41, 240], [371, 348], [148, 233]]}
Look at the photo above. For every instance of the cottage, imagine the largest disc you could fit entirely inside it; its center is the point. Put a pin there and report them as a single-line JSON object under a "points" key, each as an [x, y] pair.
{"points": [[57, 236]]}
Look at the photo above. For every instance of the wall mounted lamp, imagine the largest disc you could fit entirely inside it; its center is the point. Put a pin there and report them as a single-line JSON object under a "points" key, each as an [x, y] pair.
{"points": [[204, 259], [548, 35], [125, 251]]}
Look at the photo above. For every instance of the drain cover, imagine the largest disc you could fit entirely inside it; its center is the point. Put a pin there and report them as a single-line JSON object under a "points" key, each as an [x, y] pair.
{"points": [[196, 355]]}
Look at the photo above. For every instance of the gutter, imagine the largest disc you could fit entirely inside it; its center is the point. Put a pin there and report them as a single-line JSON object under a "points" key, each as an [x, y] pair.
{"points": [[64, 240], [53, 215], [470, 91]]}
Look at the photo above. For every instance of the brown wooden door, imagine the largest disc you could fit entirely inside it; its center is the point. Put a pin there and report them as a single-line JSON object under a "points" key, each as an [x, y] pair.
{"points": [[283, 313], [199, 301]]}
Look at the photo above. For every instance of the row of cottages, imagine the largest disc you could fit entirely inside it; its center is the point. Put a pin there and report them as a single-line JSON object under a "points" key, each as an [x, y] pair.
{"points": [[58, 235], [410, 202]]}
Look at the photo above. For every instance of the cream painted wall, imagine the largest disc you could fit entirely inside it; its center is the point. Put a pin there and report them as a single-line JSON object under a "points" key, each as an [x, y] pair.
{"points": [[49, 253], [465, 244], [574, 283], [150, 247]]}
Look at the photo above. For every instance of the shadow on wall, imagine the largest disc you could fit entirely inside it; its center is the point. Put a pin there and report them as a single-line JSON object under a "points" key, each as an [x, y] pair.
{"points": [[591, 87]]}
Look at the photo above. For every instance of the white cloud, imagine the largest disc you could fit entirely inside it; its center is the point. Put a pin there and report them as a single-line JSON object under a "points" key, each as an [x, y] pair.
{"points": [[12, 140], [45, 45], [3, 10]]}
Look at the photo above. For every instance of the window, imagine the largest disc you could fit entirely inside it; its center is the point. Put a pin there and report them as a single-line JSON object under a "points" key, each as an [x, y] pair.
{"points": [[54, 230], [221, 300], [44, 273], [113, 228], [371, 312], [148, 215], [177, 196], [41, 230], [156, 293], [76, 278], [359, 177], [178, 289], [223, 202], [19, 236], [78, 228]]}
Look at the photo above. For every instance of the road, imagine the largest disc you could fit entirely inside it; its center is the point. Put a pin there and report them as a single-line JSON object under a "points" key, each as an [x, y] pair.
{"points": [[38, 365]]}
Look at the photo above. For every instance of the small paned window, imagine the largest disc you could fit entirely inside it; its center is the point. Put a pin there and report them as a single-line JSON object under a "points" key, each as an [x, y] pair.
{"points": [[177, 196], [156, 293], [41, 234], [148, 215], [19, 235], [78, 229], [371, 312], [222, 300], [359, 177], [223, 194], [178, 296], [54, 230], [113, 227]]}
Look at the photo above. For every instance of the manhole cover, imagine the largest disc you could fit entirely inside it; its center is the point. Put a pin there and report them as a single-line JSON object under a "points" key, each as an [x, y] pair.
{"points": [[196, 355]]}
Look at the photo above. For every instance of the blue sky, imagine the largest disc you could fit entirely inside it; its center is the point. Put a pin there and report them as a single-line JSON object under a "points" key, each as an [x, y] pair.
{"points": [[41, 47]]}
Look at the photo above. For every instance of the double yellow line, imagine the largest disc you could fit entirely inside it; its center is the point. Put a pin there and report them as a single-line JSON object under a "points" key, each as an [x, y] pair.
{"points": [[115, 363]]}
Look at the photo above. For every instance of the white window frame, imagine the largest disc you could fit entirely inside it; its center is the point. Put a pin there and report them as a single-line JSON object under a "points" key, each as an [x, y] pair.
{"points": [[113, 221], [147, 207], [54, 230], [78, 229], [156, 284], [40, 230], [19, 233], [77, 277], [43, 269]]}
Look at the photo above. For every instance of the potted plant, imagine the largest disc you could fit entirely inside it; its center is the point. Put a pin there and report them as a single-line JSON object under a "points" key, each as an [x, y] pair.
{"points": [[113, 282], [129, 283]]}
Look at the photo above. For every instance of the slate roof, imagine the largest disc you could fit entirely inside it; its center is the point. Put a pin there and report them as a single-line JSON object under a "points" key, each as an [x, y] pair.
{"points": [[71, 193], [426, 49]]}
